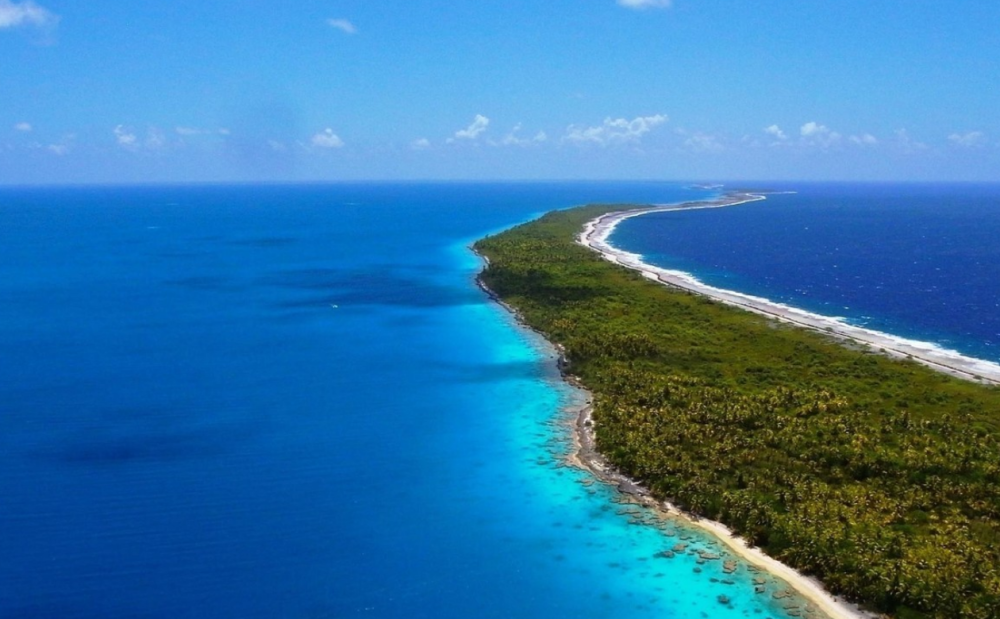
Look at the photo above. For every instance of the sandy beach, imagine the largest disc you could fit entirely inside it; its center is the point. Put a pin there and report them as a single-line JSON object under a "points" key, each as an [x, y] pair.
{"points": [[595, 236], [587, 457], [806, 587], [597, 232]]}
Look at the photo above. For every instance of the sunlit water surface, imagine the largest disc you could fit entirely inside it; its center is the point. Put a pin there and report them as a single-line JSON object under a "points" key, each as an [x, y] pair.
{"points": [[292, 401]]}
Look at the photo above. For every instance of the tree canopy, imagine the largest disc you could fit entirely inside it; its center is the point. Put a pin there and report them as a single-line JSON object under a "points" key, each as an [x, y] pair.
{"points": [[877, 475]]}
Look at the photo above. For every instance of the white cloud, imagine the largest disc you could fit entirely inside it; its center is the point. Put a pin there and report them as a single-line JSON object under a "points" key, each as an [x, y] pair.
{"points": [[816, 134], [23, 127], [125, 138], [865, 139], [420, 144], [190, 131], [971, 139], [907, 144], [129, 139], [776, 131], [617, 131], [62, 147], [343, 25], [479, 124], [155, 139], [514, 138], [327, 139], [811, 129], [195, 131], [14, 14], [704, 143], [644, 4]]}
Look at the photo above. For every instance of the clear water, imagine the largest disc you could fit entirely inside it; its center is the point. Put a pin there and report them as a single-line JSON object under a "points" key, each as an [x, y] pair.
{"points": [[917, 261], [292, 401]]}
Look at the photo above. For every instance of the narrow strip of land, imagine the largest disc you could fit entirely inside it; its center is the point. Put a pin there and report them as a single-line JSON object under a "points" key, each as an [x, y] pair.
{"points": [[595, 235], [877, 475], [597, 232]]}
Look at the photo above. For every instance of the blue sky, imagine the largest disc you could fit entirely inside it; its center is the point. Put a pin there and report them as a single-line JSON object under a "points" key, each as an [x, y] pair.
{"points": [[180, 90]]}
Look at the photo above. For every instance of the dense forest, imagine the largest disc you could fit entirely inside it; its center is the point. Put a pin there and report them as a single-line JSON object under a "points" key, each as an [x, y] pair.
{"points": [[879, 476]]}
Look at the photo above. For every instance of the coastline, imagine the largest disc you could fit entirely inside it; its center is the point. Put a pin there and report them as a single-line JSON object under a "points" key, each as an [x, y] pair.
{"points": [[808, 588], [585, 456], [595, 236]]}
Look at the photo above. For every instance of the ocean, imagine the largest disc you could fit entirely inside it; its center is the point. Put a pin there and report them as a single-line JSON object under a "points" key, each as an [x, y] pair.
{"points": [[918, 261], [292, 401]]}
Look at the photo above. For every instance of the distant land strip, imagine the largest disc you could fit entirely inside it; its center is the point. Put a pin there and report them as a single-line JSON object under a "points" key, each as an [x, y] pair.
{"points": [[596, 233]]}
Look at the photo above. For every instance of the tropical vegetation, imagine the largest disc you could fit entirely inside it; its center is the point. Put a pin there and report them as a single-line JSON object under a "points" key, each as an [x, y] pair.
{"points": [[879, 476]]}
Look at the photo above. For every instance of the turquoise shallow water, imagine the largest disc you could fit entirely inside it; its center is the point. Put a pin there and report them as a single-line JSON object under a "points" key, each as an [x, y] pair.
{"points": [[292, 401]]}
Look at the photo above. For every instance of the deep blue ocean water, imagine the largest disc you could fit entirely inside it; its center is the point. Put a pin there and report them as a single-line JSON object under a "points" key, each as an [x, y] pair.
{"points": [[293, 402], [915, 260]]}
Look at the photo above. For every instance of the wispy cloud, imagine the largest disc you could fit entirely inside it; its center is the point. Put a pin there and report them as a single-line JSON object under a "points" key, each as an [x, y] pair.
{"points": [[126, 138], [644, 4], [343, 25], [514, 138], [23, 127], [420, 144], [327, 139], [479, 124], [704, 143], [192, 131], [14, 14], [155, 139], [907, 144], [816, 134], [614, 131], [62, 147], [971, 139], [865, 139]]}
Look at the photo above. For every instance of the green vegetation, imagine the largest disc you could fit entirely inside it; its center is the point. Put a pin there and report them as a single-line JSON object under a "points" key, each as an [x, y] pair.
{"points": [[879, 476]]}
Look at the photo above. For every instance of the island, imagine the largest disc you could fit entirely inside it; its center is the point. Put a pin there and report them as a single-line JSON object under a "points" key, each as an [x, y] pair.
{"points": [[858, 462]]}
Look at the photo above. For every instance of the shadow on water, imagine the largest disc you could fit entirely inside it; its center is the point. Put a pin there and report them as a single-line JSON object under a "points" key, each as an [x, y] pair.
{"points": [[265, 242], [368, 287], [495, 372], [126, 437]]}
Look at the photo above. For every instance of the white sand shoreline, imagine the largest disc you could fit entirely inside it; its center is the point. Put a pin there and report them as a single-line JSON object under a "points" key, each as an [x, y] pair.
{"points": [[595, 236], [807, 587], [597, 232], [586, 456]]}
